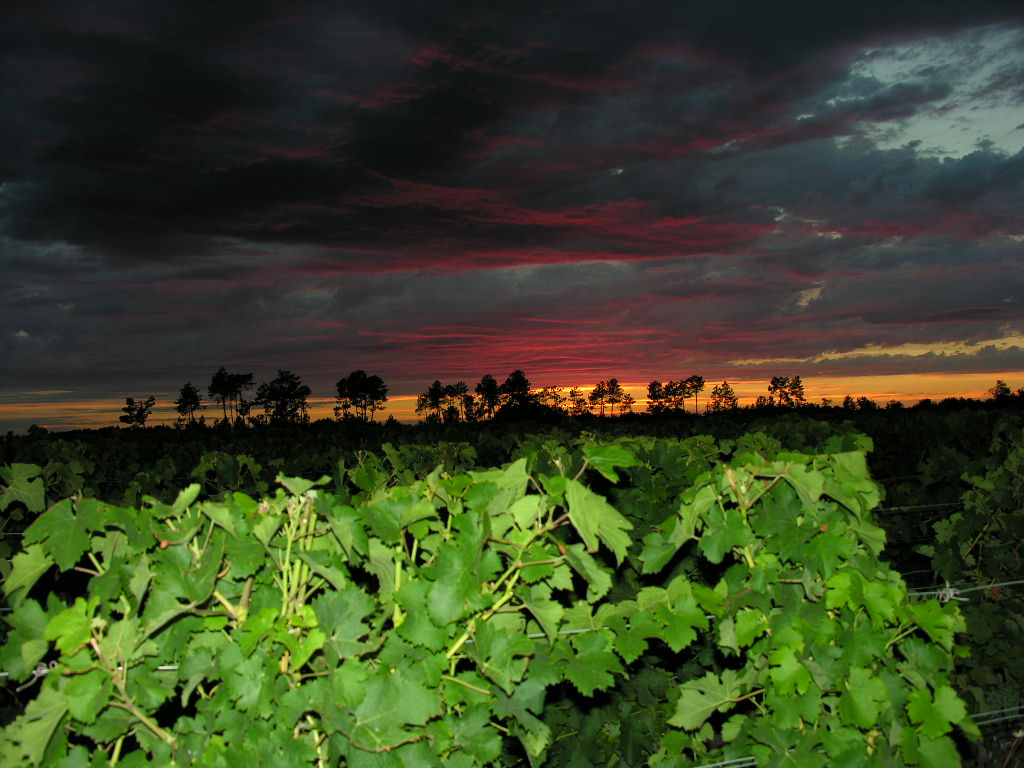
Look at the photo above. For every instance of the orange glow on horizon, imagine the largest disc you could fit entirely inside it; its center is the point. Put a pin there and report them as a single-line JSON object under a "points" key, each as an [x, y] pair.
{"points": [[908, 388]]}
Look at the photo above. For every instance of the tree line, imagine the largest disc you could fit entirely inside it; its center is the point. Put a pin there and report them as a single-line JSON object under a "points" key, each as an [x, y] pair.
{"points": [[359, 396]]}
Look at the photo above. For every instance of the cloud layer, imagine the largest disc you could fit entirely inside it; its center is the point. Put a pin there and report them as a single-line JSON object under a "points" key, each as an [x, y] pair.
{"points": [[443, 191]]}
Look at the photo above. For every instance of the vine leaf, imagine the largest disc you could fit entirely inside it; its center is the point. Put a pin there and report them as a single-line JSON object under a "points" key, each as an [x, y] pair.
{"points": [[592, 667], [24, 485], [863, 699], [26, 568], [594, 518], [63, 534], [604, 458], [34, 729], [391, 703], [701, 697], [935, 715]]}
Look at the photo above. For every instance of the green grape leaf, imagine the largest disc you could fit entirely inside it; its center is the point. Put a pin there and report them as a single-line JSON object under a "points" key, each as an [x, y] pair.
{"points": [[935, 715], [501, 656], [70, 627], [62, 533], [598, 579], [788, 673], [471, 733], [27, 567], [657, 551], [23, 484], [534, 734], [87, 694], [592, 667], [725, 529], [297, 486], [341, 615], [546, 611], [321, 563], [679, 619], [594, 518], [416, 626], [26, 642], [605, 458], [216, 511], [392, 702], [938, 753], [699, 698], [940, 622], [33, 730], [864, 698], [185, 498]]}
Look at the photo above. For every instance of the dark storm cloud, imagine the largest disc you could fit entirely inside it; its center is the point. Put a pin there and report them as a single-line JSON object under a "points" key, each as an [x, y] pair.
{"points": [[581, 187]]}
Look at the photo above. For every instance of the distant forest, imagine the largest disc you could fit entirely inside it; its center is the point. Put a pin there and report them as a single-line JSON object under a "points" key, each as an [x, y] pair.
{"points": [[360, 396]]}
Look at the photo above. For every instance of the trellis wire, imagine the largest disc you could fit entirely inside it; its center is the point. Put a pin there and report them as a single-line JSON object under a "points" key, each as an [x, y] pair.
{"points": [[920, 506]]}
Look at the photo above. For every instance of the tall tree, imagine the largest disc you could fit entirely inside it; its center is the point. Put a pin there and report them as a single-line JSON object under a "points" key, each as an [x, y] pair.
{"points": [[723, 398], [1001, 390], [552, 397], [283, 399], [598, 397], [577, 402], [490, 398], [627, 403], [515, 390], [655, 397], [778, 391], [454, 401], [786, 391], [669, 397], [796, 391], [227, 389], [432, 401], [614, 394], [694, 386], [365, 395], [188, 403], [137, 411]]}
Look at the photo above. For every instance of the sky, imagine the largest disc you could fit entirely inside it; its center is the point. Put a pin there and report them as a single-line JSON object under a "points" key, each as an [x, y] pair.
{"points": [[443, 190]]}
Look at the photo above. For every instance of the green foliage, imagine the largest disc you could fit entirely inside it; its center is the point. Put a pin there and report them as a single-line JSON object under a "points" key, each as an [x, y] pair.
{"points": [[643, 600]]}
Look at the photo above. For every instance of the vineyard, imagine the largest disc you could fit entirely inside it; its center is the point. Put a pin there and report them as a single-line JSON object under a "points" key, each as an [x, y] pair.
{"points": [[764, 590]]}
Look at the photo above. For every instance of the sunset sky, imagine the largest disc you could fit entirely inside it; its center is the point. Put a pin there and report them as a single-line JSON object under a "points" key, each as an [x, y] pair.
{"points": [[442, 190]]}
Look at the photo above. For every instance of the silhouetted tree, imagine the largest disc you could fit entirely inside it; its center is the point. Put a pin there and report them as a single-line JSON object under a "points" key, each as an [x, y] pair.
{"points": [[849, 403], [668, 397], [598, 397], [137, 411], [361, 393], [723, 398], [778, 391], [866, 404], [552, 397], [454, 405], [490, 398], [614, 396], [1000, 391], [188, 403], [227, 388], [432, 401], [577, 402], [694, 386], [283, 399], [515, 390], [627, 403], [786, 391], [796, 391]]}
